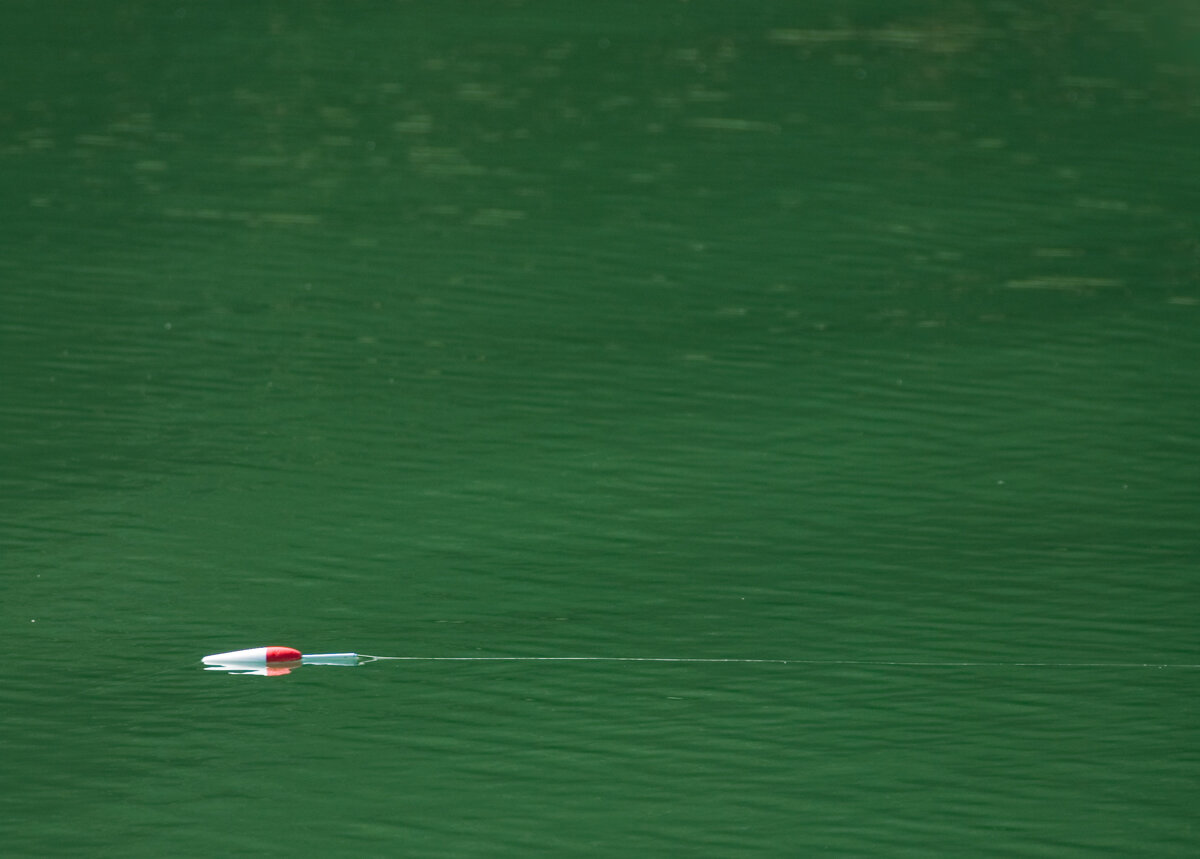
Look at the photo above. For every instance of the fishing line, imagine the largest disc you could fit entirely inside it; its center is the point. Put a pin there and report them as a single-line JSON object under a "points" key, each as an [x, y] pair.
{"points": [[277, 659], [903, 663]]}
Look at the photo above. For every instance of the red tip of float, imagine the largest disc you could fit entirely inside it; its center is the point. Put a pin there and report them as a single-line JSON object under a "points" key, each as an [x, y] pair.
{"points": [[283, 654], [255, 656]]}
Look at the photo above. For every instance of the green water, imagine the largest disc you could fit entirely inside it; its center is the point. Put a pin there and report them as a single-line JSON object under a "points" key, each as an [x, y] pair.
{"points": [[847, 332]]}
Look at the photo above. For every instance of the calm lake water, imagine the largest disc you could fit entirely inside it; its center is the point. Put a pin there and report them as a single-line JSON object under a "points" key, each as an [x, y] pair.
{"points": [[855, 333]]}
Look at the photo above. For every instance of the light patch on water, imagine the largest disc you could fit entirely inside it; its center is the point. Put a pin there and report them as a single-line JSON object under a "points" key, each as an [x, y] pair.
{"points": [[1055, 282], [716, 123]]}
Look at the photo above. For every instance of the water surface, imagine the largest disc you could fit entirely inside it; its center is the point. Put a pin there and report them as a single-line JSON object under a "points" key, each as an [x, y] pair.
{"points": [[865, 332]]}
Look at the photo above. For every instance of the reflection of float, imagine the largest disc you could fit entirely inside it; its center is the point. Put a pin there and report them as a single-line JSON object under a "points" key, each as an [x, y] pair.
{"points": [[273, 661]]}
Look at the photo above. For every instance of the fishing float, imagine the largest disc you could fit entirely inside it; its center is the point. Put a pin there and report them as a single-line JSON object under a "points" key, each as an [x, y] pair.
{"points": [[274, 660]]}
